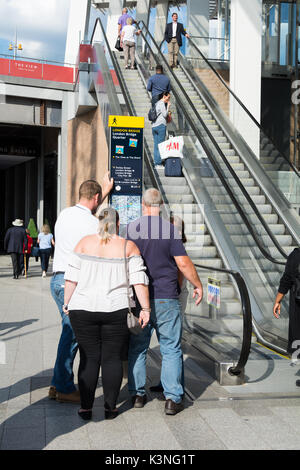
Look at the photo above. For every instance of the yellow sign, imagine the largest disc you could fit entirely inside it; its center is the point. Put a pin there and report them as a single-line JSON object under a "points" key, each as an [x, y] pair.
{"points": [[126, 121]]}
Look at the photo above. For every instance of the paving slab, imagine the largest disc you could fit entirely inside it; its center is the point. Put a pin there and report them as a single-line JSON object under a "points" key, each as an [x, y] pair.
{"points": [[262, 414]]}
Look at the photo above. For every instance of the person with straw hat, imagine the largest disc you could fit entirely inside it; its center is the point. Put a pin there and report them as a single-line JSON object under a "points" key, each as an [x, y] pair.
{"points": [[14, 240]]}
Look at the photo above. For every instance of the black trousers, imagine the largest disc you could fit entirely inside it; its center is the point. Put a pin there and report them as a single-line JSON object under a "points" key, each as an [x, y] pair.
{"points": [[102, 339], [15, 258], [45, 255]]}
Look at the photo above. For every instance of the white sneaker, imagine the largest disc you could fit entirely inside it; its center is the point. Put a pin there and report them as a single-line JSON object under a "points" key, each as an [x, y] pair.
{"points": [[44, 274]]}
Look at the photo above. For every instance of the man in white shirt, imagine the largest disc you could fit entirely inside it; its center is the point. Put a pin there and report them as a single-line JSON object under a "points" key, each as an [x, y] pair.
{"points": [[72, 224], [173, 34]]}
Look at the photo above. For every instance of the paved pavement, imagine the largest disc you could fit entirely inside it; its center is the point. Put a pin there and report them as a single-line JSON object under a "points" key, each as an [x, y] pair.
{"points": [[262, 414]]}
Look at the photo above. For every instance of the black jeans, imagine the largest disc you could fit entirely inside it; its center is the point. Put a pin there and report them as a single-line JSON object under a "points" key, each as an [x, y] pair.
{"points": [[102, 338], [45, 255], [15, 258]]}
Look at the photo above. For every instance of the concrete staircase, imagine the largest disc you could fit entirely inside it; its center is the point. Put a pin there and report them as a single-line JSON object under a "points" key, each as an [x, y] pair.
{"points": [[274, 164]]}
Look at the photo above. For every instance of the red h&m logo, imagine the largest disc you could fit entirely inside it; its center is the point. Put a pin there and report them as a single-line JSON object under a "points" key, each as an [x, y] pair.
{"points": [[173, 146]]}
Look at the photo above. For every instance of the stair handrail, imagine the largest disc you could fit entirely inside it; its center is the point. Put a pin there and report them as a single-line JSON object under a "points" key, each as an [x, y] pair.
{"points": [[244, 295], [216, 168], [292, 166], [247, 317]]}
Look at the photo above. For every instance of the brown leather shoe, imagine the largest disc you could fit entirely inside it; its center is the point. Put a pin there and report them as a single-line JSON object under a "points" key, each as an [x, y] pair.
{"points": [[139, 401], [172, 408], [73, 397], [52, 393]]}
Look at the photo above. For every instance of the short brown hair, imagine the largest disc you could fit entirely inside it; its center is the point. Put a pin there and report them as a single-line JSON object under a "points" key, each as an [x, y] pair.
{"points": [[88, 189]]}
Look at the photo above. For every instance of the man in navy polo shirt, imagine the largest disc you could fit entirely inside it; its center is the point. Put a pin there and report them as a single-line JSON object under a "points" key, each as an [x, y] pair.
{"points": [[157, 84], [162, 249]]}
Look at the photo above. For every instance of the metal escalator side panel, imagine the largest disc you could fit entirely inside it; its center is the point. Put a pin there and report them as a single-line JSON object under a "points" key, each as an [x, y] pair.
{"points": [[279, 202]]}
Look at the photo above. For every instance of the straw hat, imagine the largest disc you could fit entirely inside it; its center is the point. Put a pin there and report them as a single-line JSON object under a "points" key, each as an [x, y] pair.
{"points": [[18, 223]]}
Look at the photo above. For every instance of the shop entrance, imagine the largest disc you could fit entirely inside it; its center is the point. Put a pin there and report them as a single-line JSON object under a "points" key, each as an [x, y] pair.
{"points": [[28, 176]]}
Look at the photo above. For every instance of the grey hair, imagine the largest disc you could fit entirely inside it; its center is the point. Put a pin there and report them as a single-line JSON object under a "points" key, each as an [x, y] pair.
{"points": [[152, 197]]}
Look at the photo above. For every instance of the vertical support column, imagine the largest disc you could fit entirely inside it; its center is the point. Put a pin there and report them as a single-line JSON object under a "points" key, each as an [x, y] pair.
{"points": [[62, 158], [114, 13], [198, 24], [161, 20], [58, 200], [245, 67], [142, 14], [40, 185], [9, 197], [79, 15], [27, 193], [143, 11]]}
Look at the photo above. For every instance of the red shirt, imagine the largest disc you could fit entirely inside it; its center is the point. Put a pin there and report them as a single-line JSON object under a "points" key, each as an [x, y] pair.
{"points": [[30, 243]]}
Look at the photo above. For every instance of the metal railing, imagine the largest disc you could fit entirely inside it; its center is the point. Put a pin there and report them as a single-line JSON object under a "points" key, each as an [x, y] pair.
{"points": [[242, 288], [224, 159], [247, 318], [249, 114]]}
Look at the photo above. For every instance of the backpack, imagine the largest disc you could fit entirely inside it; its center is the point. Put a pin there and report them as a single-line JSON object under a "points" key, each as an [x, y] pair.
{"points": [[152, 114]]}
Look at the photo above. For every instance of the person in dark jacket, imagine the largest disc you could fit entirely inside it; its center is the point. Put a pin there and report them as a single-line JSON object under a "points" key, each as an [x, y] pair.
{"points": [[158, 84], [14, 241], [173, 34], [287, 284]]}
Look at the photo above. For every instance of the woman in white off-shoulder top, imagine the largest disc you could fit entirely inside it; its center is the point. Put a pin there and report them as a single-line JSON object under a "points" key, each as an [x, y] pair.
{"points": [[97, 302]]}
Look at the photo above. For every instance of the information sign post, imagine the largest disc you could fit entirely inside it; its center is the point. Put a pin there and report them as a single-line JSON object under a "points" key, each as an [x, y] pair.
{"points": [[126, 166]]}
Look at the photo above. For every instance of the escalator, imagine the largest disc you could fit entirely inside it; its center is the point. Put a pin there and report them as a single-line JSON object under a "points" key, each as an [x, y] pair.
{"points": [[237, 225]]}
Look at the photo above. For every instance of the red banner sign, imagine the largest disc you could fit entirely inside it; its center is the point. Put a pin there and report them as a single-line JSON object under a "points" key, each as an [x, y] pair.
{"points": [[20, 68]]}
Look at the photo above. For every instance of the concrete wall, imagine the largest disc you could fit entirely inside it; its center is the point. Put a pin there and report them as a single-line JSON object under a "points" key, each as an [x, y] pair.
{"points": [[87, 154]]}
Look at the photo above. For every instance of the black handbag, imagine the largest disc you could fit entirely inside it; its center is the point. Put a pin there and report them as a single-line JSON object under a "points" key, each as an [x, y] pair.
{"points": [[35, 251], [118, 45], [132, 321]]}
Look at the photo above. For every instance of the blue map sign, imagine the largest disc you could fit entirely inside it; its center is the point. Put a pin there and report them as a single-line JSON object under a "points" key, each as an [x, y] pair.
{"points": [[126, 165]]}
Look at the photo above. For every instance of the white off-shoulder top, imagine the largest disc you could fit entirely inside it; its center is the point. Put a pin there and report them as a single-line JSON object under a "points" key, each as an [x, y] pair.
{"points": [[101, 282]]}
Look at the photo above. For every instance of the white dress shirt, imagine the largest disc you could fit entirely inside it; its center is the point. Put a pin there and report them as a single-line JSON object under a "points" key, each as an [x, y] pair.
{"points": [[174, 29], [72, 224]]}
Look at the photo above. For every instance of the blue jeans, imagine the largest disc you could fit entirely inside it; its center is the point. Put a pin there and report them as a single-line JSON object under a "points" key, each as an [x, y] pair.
{"points": [[159, 135], [166, 320], [63, 377]]}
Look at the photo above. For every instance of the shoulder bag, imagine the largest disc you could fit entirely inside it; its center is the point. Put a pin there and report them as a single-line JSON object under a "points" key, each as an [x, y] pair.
{"points": [[132, 321]]}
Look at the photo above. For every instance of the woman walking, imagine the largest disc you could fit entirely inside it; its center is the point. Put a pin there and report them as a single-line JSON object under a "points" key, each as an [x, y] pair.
{"points": [[128, 42], [97, 302], [45, 241]]}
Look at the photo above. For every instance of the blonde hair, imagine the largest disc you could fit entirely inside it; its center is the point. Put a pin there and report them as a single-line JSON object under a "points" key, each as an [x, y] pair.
{"points": [[108, 223], [45, 229], [129, 20]]}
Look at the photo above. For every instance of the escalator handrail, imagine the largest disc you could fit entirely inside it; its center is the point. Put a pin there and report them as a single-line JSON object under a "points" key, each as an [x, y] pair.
{"points": [[220, 175], [245, 301], [247, 317], [292, 166]]}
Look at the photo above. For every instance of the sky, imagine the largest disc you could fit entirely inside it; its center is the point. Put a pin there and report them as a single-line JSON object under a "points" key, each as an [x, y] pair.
{"points": [[41, 27]]}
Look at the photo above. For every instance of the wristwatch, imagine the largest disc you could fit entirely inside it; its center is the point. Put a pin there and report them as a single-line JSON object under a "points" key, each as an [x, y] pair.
{"points": [[65, 306]]}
